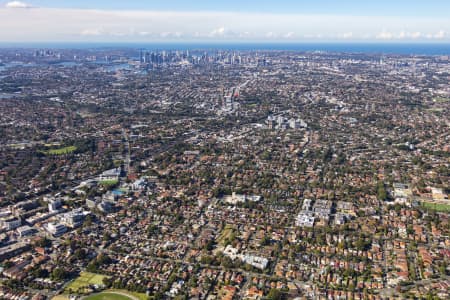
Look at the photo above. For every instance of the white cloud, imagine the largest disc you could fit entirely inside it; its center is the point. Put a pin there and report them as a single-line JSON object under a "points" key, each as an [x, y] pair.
{"points": [[245, 34], [385, 35], [144, 33], [408, 35], [17, 4], [415, 35], [120, 34], [223, 33], [54, 24], [176, 35], [218, 32], [313, 36], [346, 35], [92, 32], [439, 35], [289, 35]]}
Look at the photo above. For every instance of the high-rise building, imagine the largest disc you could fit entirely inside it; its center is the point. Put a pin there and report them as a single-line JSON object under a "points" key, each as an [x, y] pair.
{"points": [[141, 56]]}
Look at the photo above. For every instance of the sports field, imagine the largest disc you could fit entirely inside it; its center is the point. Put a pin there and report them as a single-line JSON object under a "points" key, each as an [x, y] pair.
{"points": [[114, 294], [60, 151], [84, 280], [442, 207], [108, 296], [109, 182]]}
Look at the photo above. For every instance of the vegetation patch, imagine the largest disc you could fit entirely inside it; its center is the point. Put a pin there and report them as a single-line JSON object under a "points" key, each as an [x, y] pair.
{"points": [[435, 109], [85, 280], [117, 163], [109, 182], [227, 235], [108, 296], [117, 294], [442, 207], [60, 151], [441, 99]]}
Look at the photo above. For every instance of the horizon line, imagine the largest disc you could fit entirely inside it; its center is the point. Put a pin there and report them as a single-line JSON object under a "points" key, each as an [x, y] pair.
{"points": [[266, 42]]}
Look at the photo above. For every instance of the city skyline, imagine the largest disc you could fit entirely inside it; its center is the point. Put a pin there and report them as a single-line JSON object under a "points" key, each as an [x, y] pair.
{"points": [[231, 21]]}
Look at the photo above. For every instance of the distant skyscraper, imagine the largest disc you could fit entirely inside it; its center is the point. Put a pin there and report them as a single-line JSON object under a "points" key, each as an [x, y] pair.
{"points": [[141, 56]]}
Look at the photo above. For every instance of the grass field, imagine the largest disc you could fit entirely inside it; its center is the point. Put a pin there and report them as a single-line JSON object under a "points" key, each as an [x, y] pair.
{"points": [[437, 206], [60, 151], [109, 182], [136, 295], [107, 296], [117, 295], [85, 279], [227, 235], [117, 163]]}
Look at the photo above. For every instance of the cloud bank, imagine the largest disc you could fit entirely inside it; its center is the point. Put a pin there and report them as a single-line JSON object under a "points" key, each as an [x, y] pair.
{"points": [[53, 24]]}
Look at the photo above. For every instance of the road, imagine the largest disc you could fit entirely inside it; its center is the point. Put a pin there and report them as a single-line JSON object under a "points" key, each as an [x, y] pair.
{"points": [[127, 159]]}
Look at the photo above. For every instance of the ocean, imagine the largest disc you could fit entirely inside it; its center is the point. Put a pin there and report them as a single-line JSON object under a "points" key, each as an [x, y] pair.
{"points": [[368, 48]]}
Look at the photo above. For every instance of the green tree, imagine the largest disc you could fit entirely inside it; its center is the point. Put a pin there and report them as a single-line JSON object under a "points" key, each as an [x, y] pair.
{"points": [[381, 191], [275, 294], [59, 274], [265, 241]]}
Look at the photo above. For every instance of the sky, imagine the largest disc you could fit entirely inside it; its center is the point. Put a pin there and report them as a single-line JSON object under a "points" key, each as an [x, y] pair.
{"points": [[378, 21]]}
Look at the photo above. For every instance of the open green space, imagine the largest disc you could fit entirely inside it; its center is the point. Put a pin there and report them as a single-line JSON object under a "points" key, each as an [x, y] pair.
{"points": [[227, 235], [84, 280], [117, 162], [441, 99], [18, 146], [435, 109], [115, 294], [108, 296], [60, 151], [109, 182], [437, 206]]}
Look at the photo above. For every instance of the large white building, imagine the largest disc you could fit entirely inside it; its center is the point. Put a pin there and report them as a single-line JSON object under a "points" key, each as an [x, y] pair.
{"points": [[73, 218], [56, 229], [54, 205], [305, 219], [256, 261], [112, 174], [237, 198], [25, 230]]}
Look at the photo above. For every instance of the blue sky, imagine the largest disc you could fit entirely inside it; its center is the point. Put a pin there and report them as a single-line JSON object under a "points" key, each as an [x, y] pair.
{"points": [[431, 8], [232, 20]]}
